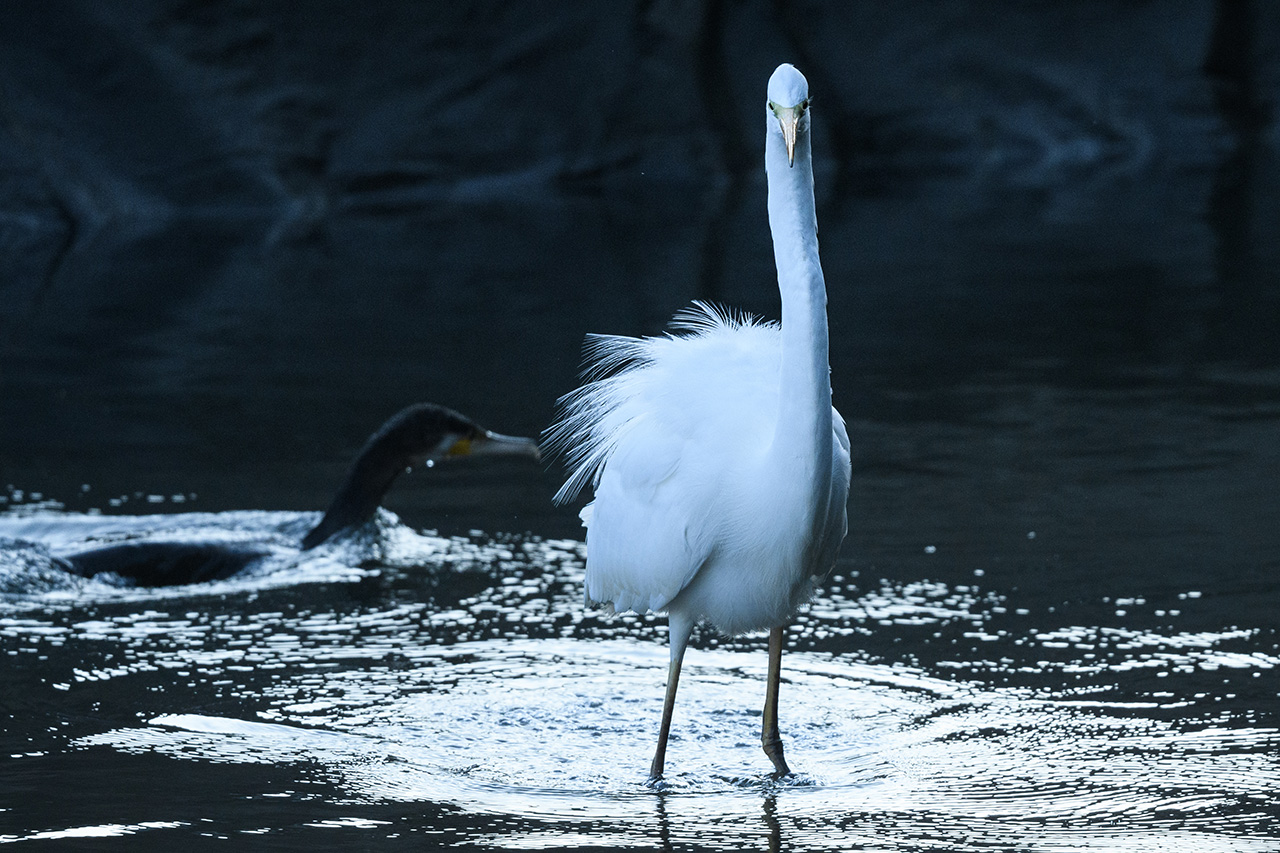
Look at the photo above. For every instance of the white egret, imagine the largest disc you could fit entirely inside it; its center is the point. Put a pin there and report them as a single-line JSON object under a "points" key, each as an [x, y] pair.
{"points": [[720, 468]]}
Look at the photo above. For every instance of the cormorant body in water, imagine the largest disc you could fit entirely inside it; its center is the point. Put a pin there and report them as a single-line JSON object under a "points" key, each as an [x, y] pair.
{"points": [[414, 435]]}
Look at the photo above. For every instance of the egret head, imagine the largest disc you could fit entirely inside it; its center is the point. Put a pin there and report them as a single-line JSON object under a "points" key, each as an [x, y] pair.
{"points": [[789, 105]]}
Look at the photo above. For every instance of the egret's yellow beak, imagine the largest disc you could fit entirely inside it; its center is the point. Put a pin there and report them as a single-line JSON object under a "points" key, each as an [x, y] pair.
{"points": [[788, 119]]}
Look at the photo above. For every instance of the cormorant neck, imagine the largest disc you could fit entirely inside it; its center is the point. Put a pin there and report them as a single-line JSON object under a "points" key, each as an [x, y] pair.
{"points": [[371, 475]]}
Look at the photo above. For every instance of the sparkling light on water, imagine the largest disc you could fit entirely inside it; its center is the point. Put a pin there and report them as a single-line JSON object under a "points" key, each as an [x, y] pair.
{"points": [[402, 668]]}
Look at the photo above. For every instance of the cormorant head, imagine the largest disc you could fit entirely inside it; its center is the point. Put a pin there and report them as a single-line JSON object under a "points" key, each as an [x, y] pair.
{"points": [[427, 432]]}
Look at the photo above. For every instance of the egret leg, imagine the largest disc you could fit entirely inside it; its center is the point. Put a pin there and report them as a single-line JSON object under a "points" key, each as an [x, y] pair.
{"points": [[770, 738], [679, 631]]}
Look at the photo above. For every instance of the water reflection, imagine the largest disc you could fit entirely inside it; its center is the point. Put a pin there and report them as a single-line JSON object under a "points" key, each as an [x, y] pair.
{"points": [[995, 768], [462, 676], [1053, 625]]}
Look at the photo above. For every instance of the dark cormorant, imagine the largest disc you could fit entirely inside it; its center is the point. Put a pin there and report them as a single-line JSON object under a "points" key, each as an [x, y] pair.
{"points": [[419, 433]]}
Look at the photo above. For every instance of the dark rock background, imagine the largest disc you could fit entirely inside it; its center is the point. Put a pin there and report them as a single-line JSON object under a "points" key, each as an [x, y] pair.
{"points": [[234, 236]]}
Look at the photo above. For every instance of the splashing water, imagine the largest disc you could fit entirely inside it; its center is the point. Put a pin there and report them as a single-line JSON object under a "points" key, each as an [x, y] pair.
{"points": [[397, 672]]}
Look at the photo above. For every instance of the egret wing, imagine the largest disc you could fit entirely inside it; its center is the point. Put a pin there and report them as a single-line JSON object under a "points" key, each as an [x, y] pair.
{"points": [[837, 522], [654, 437], [644, 539]]}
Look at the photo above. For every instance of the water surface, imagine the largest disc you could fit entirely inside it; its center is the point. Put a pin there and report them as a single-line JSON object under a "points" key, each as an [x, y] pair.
{"points": [[1052, 626]]}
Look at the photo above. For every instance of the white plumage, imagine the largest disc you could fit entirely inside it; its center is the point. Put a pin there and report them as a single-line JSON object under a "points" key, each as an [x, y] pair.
{"points": [[674, 442], [719, 467]]}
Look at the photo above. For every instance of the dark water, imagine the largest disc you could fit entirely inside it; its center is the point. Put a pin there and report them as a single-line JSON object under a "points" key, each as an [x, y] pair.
{"points": [[1052, 627]]}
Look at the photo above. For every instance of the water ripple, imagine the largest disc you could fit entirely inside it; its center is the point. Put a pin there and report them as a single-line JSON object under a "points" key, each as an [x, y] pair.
{"points": [[463, 672], [544, 729]]}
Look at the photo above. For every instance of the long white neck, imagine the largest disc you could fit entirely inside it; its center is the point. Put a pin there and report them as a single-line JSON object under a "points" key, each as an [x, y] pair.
{"points": [[802, 440]]}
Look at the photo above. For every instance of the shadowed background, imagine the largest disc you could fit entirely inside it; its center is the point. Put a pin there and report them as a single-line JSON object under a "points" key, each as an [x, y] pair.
{"points": [[236, 236]]}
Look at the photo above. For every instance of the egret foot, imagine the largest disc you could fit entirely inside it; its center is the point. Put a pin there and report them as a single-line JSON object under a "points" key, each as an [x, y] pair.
{"points": [[770, 738], [772, 743], [680, 631]]}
